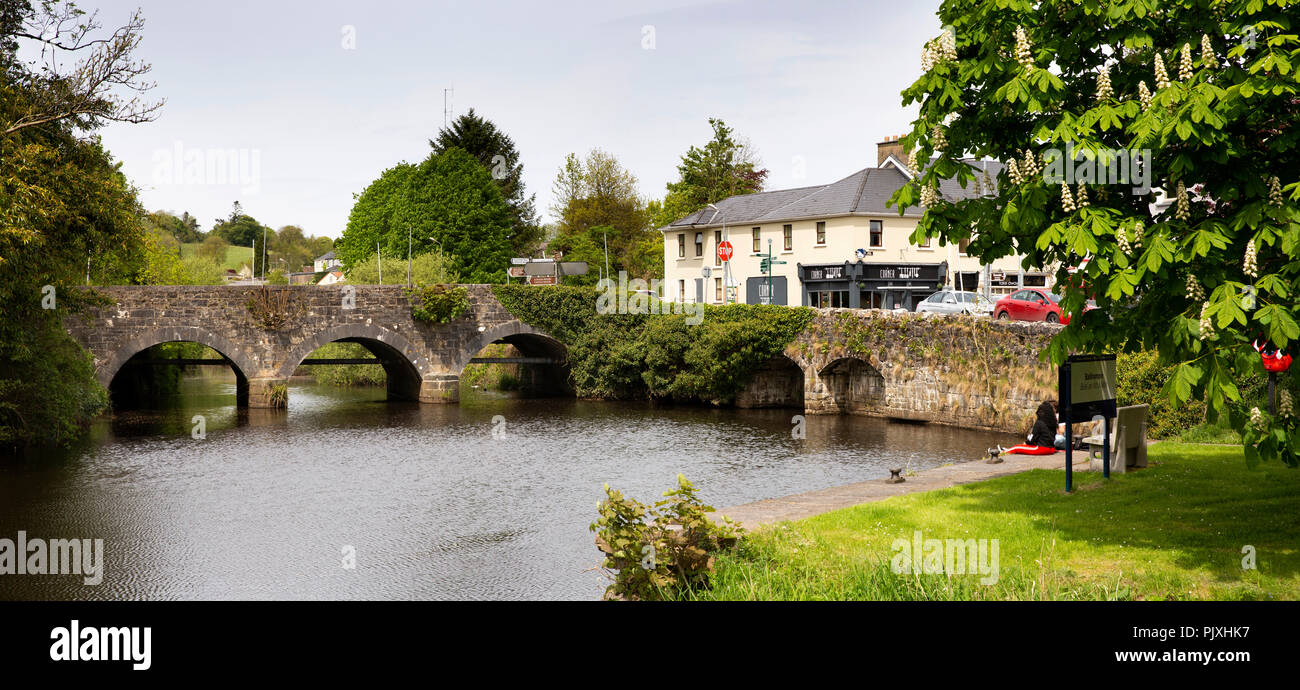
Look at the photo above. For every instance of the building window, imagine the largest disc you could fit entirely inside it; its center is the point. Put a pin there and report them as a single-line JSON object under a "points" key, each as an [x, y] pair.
{"points": [[961, 247], [699, 244], [877, 233], [821, 232], [717, 290], [717, 242], [681, 290], [789, 237], [681, 246], [925, 242], [757, 244]]}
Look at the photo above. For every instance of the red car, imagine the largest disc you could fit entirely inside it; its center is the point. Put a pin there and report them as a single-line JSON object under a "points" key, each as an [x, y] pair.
{"points": [[1031, 304]]}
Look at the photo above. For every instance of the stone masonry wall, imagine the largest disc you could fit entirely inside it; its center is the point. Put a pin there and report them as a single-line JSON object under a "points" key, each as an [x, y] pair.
{"points": [[959, 370]]}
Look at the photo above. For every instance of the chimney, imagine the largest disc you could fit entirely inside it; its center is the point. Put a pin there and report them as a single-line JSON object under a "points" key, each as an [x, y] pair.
{"points": [[891, 146]]}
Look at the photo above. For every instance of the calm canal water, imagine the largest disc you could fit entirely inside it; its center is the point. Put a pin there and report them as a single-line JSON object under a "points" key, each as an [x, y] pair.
{"points": [[434, 506]]}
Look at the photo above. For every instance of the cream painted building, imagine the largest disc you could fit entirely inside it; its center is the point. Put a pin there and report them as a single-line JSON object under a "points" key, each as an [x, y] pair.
{"points": [[842, 245]]}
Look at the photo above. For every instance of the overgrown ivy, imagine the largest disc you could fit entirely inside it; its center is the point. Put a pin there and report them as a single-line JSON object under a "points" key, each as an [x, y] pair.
{"points": [[438, 303], [655, 355]]}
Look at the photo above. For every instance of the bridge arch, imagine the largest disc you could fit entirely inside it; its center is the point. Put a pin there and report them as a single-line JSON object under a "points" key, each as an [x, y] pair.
{"points": [[405, 365], [852, 385], [239, 359], [778, 382], [539, 379]]}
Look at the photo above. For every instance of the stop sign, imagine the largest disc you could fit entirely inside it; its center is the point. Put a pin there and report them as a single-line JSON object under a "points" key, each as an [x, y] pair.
{"points": [[725, 251]]}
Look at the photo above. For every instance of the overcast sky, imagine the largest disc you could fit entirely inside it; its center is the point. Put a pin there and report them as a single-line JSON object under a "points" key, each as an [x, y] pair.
{"points": [[320, 97]]}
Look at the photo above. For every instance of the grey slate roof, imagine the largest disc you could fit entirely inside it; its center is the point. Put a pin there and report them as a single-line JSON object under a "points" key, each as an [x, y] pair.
{"points": [[865, 192]]}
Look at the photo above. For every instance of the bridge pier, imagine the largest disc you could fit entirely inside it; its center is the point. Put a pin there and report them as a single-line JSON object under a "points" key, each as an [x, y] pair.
{"points": [[260, 393], [440, 388]]}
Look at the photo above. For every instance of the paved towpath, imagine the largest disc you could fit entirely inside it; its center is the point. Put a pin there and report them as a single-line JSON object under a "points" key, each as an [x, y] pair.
{"points": [[810, 503]]}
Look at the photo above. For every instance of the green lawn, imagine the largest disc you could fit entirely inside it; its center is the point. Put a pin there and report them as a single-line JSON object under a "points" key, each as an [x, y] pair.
{"points": [[1173, 531], [235, 256]]}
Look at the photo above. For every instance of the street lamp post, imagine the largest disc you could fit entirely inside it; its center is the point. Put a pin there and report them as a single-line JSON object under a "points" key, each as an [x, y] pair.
{"points": [[408, 255]]}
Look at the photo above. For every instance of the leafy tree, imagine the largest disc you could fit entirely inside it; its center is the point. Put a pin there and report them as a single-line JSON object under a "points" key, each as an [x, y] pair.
{"points": [[430, 268], [496, 151], [1211, 90], [214, 248], [239, 229], [63, 204], [726, 166], [597, 192], [184, 228], [450, 198]]}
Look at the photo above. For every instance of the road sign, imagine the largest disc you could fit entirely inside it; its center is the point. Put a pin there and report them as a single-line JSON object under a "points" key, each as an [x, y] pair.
{"points": [[725, 250], [706, 271]]}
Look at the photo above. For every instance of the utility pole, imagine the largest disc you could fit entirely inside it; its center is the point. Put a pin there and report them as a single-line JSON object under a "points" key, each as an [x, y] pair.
{"points": [[408, 255], [263, 253], [380, 258]]}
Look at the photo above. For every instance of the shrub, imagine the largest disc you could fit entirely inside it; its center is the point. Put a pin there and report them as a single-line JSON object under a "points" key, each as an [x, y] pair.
{"points": [[438, 303], [670, 554]]}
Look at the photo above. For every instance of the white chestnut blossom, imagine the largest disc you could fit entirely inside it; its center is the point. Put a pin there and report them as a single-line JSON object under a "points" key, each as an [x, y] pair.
{"points": [[1184, 211], [1207, 324], [1082, 197], [1275, 192], [1208, 59], [1248, 265], [1195, 292], [1023, 54], [1185, 63], [1138, 229], [1144, 95], [1067, 201], [1257, 419], [1162, 77], [1104, 90]]}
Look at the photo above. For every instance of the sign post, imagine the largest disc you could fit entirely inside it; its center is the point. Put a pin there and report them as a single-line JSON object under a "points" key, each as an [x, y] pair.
{"points": [[766, 265], [1086, 389]]}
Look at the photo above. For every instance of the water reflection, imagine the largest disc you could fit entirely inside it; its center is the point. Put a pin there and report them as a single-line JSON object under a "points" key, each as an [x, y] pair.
{"points": [[432, 504]]}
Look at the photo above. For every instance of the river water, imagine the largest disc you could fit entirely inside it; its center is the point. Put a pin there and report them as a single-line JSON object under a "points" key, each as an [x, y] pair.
{"points": [[432, 504]]}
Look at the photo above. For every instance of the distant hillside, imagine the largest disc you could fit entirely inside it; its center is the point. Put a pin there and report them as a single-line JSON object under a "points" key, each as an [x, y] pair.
{"points": [[235, 256]]}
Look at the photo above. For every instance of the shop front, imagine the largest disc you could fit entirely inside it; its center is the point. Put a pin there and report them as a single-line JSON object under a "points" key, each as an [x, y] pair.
{"points": [[859, 285], [1003, 283]]}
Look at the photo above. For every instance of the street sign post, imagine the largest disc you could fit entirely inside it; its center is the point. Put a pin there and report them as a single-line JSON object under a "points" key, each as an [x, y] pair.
{"points": [[766, 266]]}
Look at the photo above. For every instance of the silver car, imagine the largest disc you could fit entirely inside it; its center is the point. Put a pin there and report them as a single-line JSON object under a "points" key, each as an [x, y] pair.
{"points": [[956, 302]]}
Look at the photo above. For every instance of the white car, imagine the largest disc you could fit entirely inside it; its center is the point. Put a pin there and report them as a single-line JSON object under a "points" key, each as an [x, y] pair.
{"points": [[956, 302]]}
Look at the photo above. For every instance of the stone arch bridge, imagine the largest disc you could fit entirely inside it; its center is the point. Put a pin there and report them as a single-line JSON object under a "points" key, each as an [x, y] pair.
{"points": [[422, 361], [958, 370]]}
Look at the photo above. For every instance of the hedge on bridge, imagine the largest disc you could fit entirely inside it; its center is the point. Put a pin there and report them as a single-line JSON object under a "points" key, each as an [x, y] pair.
{"points": [[656, 356]]}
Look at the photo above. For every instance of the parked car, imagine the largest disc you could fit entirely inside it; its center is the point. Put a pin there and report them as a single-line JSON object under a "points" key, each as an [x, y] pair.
{"points": [[1033, 304], [956, 302]]}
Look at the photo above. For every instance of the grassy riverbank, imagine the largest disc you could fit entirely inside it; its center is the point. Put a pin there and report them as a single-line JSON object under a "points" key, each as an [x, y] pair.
{"points": [[1173, 531]]}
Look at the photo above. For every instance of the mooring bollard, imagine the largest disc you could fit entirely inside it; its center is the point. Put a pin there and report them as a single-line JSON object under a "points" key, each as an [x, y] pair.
{"points": [[895, 476]]}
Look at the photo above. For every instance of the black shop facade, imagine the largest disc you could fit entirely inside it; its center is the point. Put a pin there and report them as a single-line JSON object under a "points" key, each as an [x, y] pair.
{"points": [[861, 285]]}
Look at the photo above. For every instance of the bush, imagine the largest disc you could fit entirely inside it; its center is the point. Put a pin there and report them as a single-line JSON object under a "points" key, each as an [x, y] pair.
{"points": [[1143, 380], [670, 554], [438, 303], [661, 356]]}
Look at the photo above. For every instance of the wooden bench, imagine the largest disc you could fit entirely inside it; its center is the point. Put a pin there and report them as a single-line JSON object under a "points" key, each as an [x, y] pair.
{"points": [[1128, 441]]}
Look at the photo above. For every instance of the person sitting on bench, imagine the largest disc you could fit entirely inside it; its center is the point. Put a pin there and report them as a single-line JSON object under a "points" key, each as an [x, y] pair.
{"points": [[1042, 438]]}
